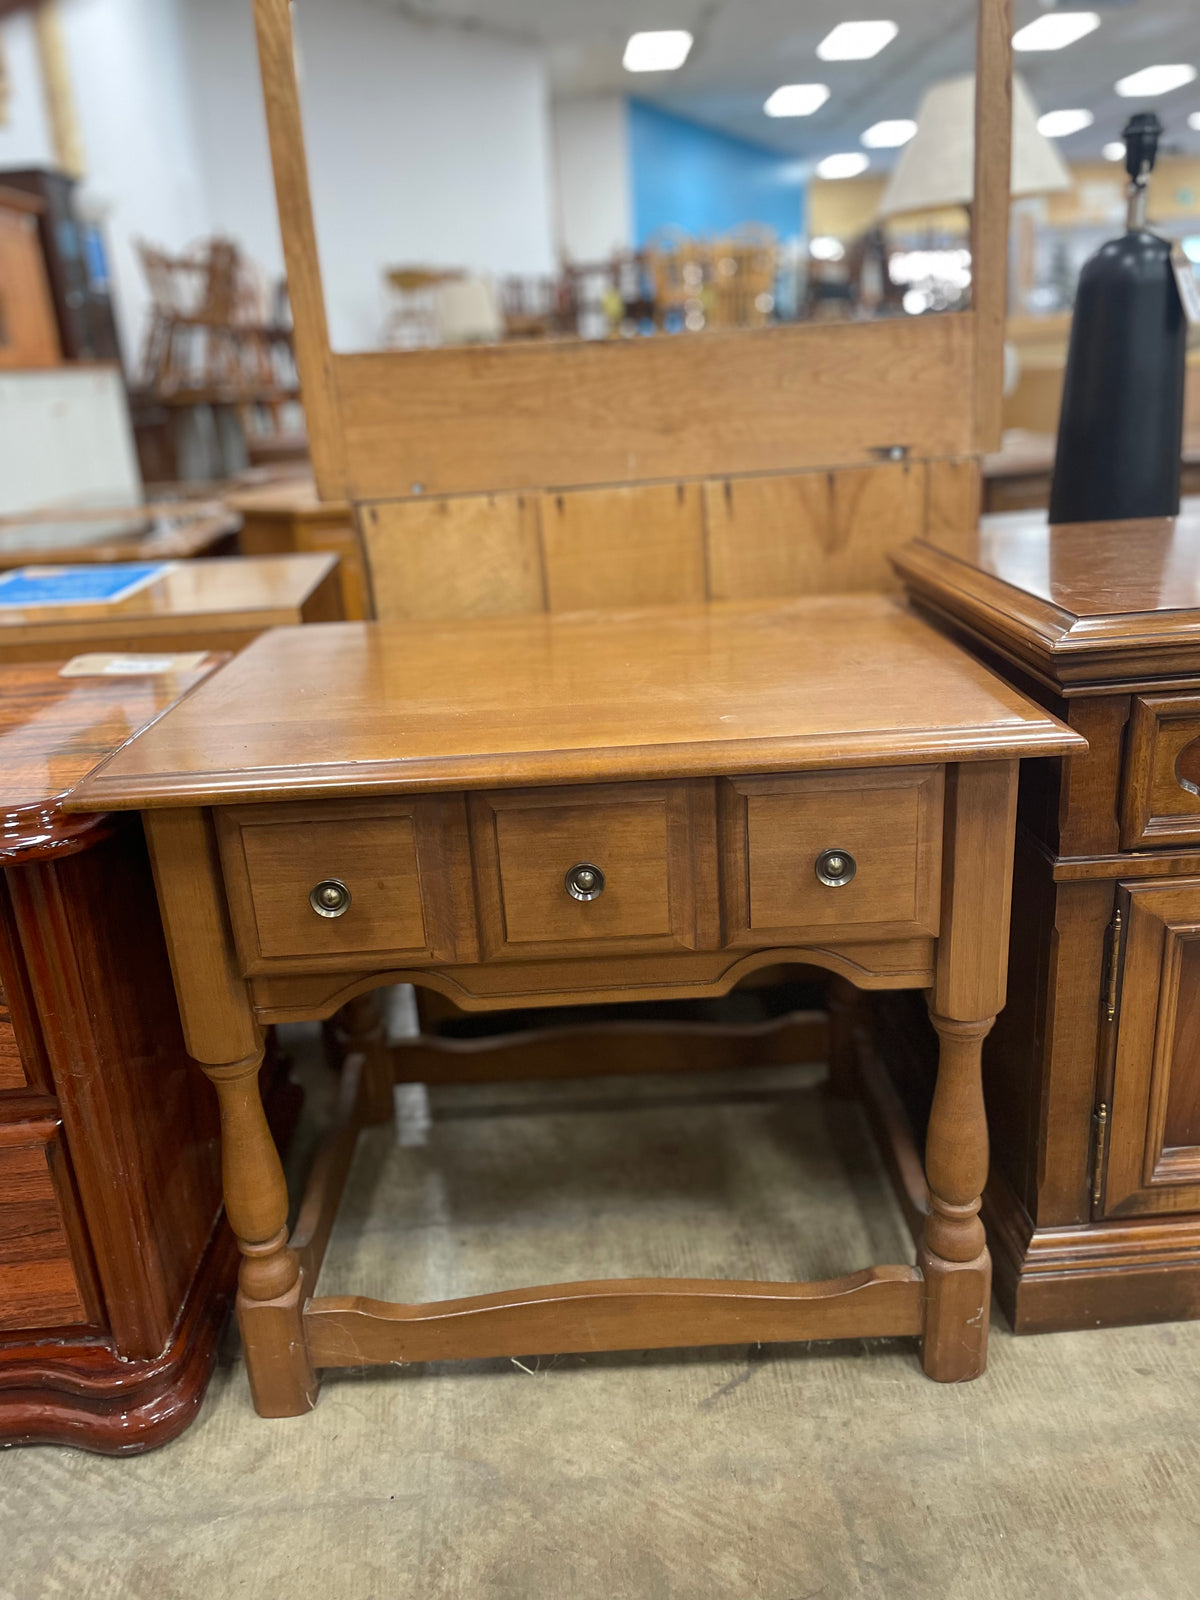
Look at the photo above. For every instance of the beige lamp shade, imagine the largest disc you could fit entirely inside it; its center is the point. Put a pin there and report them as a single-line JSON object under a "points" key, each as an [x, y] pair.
{"points": [[937, 166]]}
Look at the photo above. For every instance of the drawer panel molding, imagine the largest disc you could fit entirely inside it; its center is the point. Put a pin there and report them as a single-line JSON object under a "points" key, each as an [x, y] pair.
{"points": [[1160, 799], [857, 852], [399, 870], [647, 853], [40, 1286]]}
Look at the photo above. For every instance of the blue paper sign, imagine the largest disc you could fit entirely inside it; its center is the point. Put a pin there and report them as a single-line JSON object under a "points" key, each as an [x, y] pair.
{"points": [[88, 585]]}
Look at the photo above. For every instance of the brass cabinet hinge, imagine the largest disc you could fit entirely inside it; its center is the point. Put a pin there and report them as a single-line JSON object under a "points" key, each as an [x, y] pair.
{"points": [[1100, 1124], [1114, 968]]}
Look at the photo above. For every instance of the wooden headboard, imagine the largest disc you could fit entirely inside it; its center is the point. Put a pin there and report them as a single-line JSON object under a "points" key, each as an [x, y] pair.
{"points": [[771, 460]]}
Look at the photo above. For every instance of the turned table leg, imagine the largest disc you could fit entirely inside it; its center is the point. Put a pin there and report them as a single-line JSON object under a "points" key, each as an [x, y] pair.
{"points": [[361, 1027], [223, 1035], [954, 1258], [270, 1287], [969, 990]]}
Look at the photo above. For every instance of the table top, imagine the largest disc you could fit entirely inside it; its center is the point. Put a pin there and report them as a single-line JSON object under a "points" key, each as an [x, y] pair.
{"points": [[697, 690], [1027, 454], [294, 497], [166, 532], [55, 730], [241, 592], [1078, 592]]}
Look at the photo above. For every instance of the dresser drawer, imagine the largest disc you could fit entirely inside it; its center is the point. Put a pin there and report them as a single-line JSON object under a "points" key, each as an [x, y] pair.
{"points": [[615, 868], [41, 1285], [855, 852], [1160, 798], [320, 887]]}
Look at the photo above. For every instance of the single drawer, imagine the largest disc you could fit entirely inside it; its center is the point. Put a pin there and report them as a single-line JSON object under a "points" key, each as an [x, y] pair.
{"points": [[41, 1284], [1160, 799], [316, 888], [856, 853], [614, 868]]}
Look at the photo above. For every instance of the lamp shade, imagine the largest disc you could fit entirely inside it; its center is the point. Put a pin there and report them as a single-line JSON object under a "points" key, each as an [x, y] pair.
{"points": [[937, 166]]}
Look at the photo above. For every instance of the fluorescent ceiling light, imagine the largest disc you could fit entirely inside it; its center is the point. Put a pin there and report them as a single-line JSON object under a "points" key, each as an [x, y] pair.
{"points": [[1114, 151], [1056, 30], [664, 51], [889, 135], [1061, 124], [1155, 80], [796, 100], [856, 41], [825, 248], [848, 165]]}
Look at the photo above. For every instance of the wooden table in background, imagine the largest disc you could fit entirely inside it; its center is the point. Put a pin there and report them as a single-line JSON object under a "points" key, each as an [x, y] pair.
{"points": [[1018, 476], [140, 533], [546, 810], [1093, 1072], [196, 605], [114, 1274], [287, 516]]}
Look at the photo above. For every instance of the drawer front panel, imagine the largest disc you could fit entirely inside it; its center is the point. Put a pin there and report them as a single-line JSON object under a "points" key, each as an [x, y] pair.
{"points": [[775, 832], [1160, 802], [1152, 1142], [650, 845], [404, 866], [39, 1284]]}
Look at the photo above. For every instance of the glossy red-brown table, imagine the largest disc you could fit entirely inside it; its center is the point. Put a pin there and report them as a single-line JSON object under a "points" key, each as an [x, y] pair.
{"points": [[115, 1267]]}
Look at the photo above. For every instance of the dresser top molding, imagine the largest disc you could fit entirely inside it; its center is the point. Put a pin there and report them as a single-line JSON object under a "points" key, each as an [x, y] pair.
{"points": [[53, 731], [680, 691], [1082, 604]]}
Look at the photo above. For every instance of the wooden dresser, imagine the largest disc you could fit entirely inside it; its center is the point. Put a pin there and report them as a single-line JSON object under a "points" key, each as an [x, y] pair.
{"points": [[601, 806], [1093, 1070], [114, 1275]]}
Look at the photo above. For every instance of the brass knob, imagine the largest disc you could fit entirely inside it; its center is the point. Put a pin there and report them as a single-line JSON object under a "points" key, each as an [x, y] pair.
{"points": [[585, 881], [835, 868], [330, 898]]}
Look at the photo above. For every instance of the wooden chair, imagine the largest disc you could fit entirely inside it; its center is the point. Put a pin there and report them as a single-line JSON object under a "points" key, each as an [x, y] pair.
{"points": [[550, 476]]}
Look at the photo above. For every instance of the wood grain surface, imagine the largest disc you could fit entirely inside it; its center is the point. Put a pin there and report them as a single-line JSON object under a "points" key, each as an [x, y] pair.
{"points": [[683, 691]]}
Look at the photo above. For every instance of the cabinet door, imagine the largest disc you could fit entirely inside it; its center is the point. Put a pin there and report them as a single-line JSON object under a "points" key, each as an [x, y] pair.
{"points": [[1153, 1160]]}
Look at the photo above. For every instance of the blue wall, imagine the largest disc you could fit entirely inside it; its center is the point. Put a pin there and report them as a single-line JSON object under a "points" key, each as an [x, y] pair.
{"points": [[691, 177]]}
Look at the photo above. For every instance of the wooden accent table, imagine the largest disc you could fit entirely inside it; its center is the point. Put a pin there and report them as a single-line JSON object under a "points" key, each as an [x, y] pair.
{"points": [[599, 806], [175, 531], [1094, 1070], [195, 605], [114, 1277], [286, 515]]}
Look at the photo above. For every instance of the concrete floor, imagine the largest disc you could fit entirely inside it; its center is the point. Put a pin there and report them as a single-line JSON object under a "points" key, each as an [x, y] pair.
{"points": [[825, 1472]]}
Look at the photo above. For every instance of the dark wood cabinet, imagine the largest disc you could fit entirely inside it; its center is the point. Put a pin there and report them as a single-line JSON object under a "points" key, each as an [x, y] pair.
{"points": [[75, 265], [116, 1269], [1093, 1068]]}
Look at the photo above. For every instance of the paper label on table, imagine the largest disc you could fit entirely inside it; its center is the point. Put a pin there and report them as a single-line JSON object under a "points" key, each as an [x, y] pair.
{"points": [[90, 585], [1188, 284], [131, 666]]}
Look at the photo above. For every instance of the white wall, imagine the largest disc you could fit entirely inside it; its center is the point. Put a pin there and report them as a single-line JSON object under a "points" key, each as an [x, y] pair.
{"points": [[593, 190], [128, 67], [427, 144], [25, 138]]}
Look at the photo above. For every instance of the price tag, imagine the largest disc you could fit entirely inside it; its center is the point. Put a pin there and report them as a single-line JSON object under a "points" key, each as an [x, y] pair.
{"points": [[1188, 284], [131, 666]]}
